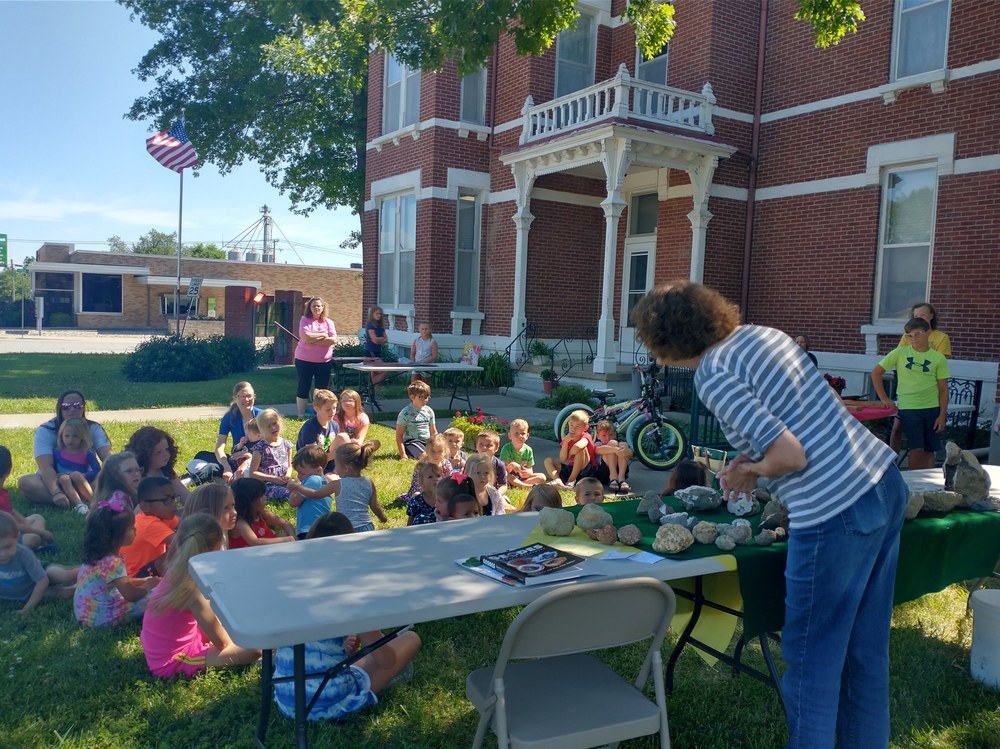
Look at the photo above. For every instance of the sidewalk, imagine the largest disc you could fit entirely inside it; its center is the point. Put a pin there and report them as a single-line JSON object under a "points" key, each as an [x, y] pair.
{"points": [[506, 407]]}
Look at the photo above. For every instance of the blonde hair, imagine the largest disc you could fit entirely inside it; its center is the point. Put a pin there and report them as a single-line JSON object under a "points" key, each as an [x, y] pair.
{"points": [[266, 417], [423, 465], [111, 478], [586, 483], [518, 423], [543, 495], [76, 426], [439, 444], [323, 397], [453, 432], [579, 416], [477, 459], [209, 499], [251, 426], [358, 407], [195, 535], [606, 425], [307, 308]]}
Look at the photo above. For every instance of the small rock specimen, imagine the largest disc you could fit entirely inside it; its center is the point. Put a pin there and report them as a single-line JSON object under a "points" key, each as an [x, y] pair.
{"points": [[650, 501], [766, 537], [705, 532], [698, 498], [679, 518], [941, 501], [964, 475], [990, 504], [775, 514], [914, 504], [739, 530], [556, 522], [671, 539], [592, 516], [606, 534], [629, 534], [743, 505], [725, 543]]}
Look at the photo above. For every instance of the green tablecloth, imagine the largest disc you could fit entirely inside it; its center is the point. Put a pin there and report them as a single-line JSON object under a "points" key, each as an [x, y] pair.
{"points": [[934, 553]]}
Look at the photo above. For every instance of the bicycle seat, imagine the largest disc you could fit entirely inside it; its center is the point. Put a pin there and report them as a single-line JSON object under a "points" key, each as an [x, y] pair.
{"points": [[603, 395]]}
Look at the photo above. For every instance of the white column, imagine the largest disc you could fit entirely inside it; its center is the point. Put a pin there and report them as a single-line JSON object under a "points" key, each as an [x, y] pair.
{"points": [[524, 178], [616, 156], [701, 179]]}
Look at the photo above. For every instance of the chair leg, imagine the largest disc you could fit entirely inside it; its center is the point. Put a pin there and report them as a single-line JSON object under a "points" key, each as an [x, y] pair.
{"points": [[484, 720]]}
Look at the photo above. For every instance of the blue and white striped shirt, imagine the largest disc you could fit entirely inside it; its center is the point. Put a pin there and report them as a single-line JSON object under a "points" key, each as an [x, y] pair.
{"points": [[758, 383]]}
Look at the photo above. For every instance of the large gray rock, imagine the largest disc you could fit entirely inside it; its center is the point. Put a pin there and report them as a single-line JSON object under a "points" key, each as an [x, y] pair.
{"points": [[964, 475], [698, 498]]}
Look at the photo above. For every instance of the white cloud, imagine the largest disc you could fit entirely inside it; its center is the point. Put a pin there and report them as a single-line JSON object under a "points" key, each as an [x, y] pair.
{"points": [[61, 210]]}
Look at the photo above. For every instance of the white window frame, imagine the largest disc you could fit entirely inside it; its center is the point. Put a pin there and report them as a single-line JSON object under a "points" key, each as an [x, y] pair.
{"points": [[402, 294], [408, 115], [897, 45], [167, 304], [641, 61], [883, 247], [592, 20], [466, 106], [477, 198]]}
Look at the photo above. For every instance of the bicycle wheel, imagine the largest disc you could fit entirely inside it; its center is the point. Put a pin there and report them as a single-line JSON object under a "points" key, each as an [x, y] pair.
{"points": [[559, 426], [659, 443]]}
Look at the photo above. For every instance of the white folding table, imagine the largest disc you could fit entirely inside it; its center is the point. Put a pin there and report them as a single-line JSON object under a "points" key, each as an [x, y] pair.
{"points": [[291, 594], [460, 370]]}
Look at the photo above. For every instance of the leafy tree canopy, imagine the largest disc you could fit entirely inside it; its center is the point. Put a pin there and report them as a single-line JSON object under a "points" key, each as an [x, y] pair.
{"points": [[160, 243], [284, 82]]}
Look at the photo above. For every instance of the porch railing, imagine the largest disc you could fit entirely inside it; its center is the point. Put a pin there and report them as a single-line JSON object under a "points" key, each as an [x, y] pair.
{"points": [[621, 97]]}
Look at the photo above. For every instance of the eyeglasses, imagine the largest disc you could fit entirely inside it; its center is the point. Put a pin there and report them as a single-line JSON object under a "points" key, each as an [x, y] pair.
{"points": [[74, 404], [166, 500]]}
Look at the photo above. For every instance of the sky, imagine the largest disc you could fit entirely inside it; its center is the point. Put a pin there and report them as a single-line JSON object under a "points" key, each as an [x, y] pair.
{"points": [[72, 169]]}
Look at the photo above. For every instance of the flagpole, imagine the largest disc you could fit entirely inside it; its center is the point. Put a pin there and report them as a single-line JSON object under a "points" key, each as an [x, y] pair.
{"points": [[177, 288]]}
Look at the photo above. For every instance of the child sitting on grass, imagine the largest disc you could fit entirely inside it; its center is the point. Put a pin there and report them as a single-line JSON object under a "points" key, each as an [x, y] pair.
{"points": [[255, 524], [120, 477], [541, 496], [456, 443], [105, 593], [75, 461], [518, 458], [323, 429], [437, 453], [420, 507], [272, 455], [31, 530], [488, 443], [458, 507], [479, 468], [309, 463], [241, 456], [589, 491], [154, 528], [356, 494], [577, 453], [22, 578], [415, 424], [354, 687], [180, 632]]}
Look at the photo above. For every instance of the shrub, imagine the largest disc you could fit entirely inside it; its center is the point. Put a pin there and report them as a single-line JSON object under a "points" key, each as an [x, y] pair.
{"points": [[563, 395], [188, 359], [471, 424]]}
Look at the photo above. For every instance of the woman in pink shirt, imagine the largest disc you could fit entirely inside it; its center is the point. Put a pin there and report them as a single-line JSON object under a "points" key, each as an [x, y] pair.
{"points": [[314, 352]]}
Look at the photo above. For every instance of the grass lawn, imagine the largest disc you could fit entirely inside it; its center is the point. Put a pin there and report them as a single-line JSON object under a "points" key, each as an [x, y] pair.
{"points": [[71, 687]]}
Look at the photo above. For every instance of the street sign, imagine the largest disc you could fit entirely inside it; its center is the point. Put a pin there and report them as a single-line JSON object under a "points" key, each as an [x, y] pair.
{"points": [[194, 286], [3, 250]]}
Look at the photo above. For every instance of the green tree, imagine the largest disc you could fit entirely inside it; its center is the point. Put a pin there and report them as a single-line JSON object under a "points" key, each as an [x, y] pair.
{"points": [[151, 243], [15, 284], [284, 82], [202, 250]]}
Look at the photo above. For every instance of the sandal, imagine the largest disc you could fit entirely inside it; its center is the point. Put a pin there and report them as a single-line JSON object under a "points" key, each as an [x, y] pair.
{"points": [[624, 487], [613, 486]]}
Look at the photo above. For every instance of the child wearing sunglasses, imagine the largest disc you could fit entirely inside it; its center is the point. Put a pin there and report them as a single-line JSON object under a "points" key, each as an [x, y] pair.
{"points": [[155, 524]]}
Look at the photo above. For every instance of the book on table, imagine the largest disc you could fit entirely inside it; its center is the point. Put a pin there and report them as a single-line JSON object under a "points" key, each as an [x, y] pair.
{"points": [[475, 564], [532, 561]]}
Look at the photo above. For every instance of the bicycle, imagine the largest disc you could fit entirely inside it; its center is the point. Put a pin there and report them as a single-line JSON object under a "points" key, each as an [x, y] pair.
{"points": [[656, 441]]}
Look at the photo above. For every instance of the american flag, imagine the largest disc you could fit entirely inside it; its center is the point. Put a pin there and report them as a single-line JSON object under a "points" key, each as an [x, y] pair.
{"points": [[172, 148]]}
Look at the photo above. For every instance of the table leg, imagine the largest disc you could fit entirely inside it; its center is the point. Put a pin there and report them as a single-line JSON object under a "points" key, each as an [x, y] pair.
{"points": [[266, 695], [299, 662], [454, 390]]}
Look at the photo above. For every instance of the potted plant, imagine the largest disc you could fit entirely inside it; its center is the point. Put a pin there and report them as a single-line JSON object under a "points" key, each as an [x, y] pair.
{"points": [[539, 352], [549, 379]]}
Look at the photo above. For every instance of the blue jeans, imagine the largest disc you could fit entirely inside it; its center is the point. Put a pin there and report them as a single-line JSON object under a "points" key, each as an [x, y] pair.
{"points": [[838, 606]]}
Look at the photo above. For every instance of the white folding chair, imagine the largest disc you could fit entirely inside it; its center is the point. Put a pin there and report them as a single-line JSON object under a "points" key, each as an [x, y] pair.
{"points": [[561, 698]]}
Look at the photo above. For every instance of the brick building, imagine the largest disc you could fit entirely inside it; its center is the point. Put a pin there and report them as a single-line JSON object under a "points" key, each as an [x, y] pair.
{"points": [[103, 290], [554, 191]]}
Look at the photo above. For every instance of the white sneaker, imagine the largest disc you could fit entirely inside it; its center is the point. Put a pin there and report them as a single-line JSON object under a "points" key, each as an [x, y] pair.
{"points": [[82, 508]]}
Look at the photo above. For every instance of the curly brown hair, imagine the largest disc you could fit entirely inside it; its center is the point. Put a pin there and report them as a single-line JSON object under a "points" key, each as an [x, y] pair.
{"points": [[142, 443], [679, 320]]}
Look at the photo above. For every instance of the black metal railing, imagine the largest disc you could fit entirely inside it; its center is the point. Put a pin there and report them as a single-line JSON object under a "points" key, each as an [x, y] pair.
{"points": [[522, 342]]}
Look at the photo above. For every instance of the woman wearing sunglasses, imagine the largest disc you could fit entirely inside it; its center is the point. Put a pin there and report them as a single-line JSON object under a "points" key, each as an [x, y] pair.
{"points": [[43, 487]]}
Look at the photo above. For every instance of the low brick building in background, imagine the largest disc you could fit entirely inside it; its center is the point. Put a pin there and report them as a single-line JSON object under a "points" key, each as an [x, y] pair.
{"points": [[823, 190], [105, 291]]}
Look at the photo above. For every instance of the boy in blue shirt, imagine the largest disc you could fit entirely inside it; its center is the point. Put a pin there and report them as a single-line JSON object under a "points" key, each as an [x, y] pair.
{"points": [[311, 493], [922, 390]]}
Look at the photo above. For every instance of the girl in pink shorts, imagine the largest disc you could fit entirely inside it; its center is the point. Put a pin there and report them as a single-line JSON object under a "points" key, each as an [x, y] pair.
{"points": [[180, 632]]}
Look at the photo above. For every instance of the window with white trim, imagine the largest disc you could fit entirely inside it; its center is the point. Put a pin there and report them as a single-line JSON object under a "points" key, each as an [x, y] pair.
{"points": [[473, 107], [921, 43], [642, 213], [468, 222], [401, 103], [100, 292], [576, 52], [396, 249], [653, 70], [167, 304], [909, 197]]}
